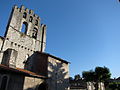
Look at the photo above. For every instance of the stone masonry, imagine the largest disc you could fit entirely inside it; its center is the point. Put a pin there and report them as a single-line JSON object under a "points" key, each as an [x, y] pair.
{"points": [[23, 43], [23, 63]]}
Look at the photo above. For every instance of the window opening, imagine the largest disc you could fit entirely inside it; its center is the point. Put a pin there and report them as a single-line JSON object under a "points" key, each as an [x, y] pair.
{"points": [[36, 22], [31, 18], [34, 34], [26, 59], [24, 27], [24, 15]]}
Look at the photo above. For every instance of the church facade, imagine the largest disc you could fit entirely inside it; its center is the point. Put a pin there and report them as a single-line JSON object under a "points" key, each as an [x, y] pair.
{"points": [[23, 63]]}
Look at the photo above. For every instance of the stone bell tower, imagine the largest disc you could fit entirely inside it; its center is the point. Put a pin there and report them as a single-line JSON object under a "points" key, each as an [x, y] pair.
{"points": [[24, 35]]}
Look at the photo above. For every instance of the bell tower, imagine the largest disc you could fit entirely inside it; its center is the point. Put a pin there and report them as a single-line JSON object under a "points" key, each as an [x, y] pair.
{"points": [[23, 18], [24, 35]]}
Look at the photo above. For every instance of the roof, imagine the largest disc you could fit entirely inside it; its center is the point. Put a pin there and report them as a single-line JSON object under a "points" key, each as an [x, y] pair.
{"points": [[21, 71], [65, 61]]}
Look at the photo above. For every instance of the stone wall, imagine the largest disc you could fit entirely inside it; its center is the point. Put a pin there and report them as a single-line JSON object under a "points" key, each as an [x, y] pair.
{"points": [[37, 63], [9, 58], [91, 86], [1, 43], [58, 74], [20, 82], [25, 43], [31, 83], [21, 48], [14, 81], [56, 69]]}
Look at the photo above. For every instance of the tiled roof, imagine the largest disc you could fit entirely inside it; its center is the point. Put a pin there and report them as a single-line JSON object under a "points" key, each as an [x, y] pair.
{"points": [[21, 71]]}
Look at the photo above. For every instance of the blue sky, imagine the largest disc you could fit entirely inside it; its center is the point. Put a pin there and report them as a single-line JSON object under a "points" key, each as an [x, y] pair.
{"points": [[83, 32]]}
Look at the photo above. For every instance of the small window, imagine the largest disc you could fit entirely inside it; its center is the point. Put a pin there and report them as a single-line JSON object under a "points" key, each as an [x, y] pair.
{"points": [[36, 22], [31, 18], [26, 59], [34, 34], [24, 27], [4, 83], [24, 15]]}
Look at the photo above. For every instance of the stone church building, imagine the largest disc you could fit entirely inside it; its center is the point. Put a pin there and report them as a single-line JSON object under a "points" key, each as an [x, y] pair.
{"points": [[23, 63]]}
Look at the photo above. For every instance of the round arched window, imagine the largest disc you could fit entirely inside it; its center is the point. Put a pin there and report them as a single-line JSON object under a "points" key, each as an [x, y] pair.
{"points": [[31, 18], [24, 15], [4, 83]]}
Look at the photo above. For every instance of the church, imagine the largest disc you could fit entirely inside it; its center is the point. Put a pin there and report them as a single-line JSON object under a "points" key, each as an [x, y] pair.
{"points": [[24, 64]]}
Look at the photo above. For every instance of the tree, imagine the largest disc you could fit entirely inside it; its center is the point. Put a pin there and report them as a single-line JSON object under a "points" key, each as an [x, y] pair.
{"points": [[88, 75], [70, 78], [100, 74], [77, 77]]}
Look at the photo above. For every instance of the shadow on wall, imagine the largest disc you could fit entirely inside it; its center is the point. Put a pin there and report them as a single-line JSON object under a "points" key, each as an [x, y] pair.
{"points": [[38, 63], [56, 79], [58, 76]]}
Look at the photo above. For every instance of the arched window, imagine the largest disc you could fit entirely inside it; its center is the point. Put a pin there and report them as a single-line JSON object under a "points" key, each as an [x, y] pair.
{"points": [[24, 27], [24, 15], [34, 34], [36, 22], [4, 83], [31, 18]]}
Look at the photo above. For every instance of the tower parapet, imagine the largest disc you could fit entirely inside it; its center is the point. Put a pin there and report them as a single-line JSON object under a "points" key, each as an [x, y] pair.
{"points": [[24, 34], [27, 17]]}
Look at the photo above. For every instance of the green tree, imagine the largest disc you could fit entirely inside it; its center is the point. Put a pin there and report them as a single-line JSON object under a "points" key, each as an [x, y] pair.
{"points": [[70, 78], [100, 74], [88, 76], [77, 77]]}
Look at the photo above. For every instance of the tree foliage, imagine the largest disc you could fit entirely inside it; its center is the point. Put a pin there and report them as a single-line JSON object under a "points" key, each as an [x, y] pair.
{"points": [[100, 74], [77, 77], [88, 75]]}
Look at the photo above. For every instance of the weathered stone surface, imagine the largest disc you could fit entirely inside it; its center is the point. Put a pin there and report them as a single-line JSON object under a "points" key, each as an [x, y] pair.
{"points": [[32, 83], [9, 58], [58, 74], [25, 43], [56, 69], [1, 52], [14, 81], [24, 49]]}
